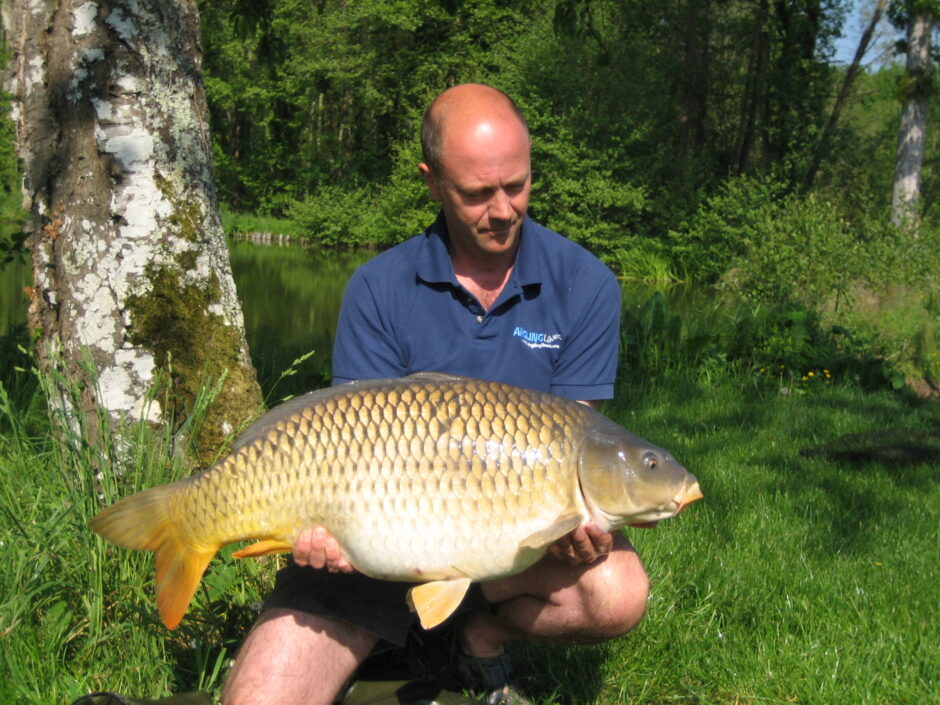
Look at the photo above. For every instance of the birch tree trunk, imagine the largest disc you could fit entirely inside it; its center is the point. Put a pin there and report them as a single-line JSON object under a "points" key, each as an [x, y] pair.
{"points": [[851, 73], [131, 267], [915, 91]]}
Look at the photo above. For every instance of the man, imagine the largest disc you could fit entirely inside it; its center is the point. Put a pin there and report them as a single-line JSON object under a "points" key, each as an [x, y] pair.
{"points": [[488, 293]]}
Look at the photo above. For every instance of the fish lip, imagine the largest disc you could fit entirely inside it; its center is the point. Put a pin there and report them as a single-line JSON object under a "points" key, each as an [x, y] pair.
{"points": [[690, 494], [675, 506], [657, 514]]}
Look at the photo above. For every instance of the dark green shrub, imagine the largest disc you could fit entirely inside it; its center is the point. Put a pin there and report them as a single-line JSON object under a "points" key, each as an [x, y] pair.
{"points": [[780, 344]]}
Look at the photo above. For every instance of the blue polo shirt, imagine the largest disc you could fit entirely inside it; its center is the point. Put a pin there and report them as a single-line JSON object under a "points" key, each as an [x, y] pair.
{"points": [[554, 327]]}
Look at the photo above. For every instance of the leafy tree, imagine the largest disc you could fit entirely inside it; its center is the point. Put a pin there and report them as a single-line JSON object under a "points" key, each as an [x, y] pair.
{"points": [[638, 110]]}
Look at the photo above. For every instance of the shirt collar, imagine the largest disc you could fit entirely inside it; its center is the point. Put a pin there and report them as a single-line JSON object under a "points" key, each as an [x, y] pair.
{"points": [[435, 267]]}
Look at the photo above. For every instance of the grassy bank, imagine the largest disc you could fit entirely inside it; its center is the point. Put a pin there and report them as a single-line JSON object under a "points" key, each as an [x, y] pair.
{"points": [[806, 579]]}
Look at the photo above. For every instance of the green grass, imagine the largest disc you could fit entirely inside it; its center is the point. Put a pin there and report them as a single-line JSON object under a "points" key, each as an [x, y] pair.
{"points": [[250, 223], [796, 580], [77, 614]]}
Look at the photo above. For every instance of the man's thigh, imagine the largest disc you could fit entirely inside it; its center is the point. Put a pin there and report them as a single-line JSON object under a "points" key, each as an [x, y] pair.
{"points": [[295, 657]]}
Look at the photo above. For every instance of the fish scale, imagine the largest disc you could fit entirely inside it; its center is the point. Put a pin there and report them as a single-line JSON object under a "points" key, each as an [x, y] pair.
{"points": [[431, 478]]}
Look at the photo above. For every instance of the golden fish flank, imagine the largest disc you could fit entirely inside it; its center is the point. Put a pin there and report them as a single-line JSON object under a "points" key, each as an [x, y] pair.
{"points": [[431, 478]]}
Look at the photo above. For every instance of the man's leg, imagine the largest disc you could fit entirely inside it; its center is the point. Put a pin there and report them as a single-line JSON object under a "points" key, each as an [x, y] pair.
{"points": [[294, 658], [556, 602]]}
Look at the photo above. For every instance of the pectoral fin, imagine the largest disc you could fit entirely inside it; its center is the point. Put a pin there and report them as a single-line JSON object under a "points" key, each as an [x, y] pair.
{"points": [[267, 547], [560, 527], [435, 602]]}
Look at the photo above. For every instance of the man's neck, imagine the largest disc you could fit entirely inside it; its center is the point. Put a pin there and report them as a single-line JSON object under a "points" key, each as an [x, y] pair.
{"points": [[484, 278]]}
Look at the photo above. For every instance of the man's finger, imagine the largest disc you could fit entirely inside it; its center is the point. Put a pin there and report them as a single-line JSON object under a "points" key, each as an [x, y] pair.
{"points": [[301, 550], [582, 545], [602, 541], [563, 550]]}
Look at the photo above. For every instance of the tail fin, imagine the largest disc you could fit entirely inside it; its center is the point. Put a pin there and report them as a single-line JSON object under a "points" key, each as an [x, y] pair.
{"points": [[143, 522]]}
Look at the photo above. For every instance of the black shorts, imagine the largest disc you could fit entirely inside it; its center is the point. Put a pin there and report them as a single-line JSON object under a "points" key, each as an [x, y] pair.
{"points": [[378, 606]]}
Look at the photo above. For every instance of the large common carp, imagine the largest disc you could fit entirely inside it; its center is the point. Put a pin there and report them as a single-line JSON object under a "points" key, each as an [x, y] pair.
{"points": [[431, 478]]}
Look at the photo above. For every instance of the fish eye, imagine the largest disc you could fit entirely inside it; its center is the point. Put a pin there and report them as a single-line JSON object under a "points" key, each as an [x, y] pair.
{"points": [[650, 460]]}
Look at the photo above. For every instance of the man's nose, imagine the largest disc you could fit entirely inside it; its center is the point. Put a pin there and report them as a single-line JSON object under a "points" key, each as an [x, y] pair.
{"points": [[501, 206]]}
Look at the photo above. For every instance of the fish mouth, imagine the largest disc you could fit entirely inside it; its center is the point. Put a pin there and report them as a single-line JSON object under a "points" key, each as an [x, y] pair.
{"points": [[683, 499], [690, 494]]}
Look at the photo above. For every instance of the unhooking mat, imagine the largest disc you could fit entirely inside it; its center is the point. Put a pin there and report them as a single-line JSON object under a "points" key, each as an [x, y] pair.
{"points": [[360, 693]]}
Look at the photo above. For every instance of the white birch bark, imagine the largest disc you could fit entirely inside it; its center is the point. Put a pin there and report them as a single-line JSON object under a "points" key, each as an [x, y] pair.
{"points": [[910, 153], [112, 132]]}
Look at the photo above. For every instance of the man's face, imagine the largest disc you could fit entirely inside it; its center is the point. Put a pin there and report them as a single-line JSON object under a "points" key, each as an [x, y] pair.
{"points": [[483, 186]]}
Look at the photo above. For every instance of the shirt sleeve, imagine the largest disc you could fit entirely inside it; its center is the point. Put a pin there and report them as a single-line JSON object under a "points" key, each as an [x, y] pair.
{"points": [[366, 346], [587, 366]]}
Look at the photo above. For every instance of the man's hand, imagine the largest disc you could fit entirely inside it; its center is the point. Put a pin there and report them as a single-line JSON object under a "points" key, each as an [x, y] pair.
{"points": [[583, 545], [317, 548]]}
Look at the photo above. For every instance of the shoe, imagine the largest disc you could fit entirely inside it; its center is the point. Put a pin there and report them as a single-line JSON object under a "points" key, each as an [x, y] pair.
{"points": [[489, 679], [507, 695]]}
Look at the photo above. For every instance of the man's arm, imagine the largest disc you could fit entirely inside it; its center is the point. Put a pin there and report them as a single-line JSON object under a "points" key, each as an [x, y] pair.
{"points": [[598, 338], [366, 345], [587, 365]]}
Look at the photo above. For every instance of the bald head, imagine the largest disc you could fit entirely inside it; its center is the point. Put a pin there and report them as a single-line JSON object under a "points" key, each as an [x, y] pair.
{"points": [[464, 108]]}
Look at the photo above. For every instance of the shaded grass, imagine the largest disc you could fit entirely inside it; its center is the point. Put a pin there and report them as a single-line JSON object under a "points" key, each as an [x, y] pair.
{"points": [[797, 579]]}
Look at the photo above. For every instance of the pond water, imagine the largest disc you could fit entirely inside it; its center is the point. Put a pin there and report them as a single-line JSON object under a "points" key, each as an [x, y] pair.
{"points": [[290, 298]]}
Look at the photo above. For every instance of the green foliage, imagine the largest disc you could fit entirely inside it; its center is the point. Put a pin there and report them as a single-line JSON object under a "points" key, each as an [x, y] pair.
{"points": [[703, 338], [576, 194], [336, 89], [643, 260], [772, 245], [798, 249], [11, 211], [22, 395], [718, 233], [336, 216], [235, 224], [329, 98], [342, 217]]}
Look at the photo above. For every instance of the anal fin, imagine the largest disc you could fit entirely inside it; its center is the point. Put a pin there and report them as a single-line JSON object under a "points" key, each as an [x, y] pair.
{"points": [[562, 526], [267, 547], [436, 601]]}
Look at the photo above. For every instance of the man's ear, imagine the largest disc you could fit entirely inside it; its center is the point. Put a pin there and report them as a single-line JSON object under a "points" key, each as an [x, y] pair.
{"points": [[430, 181]]}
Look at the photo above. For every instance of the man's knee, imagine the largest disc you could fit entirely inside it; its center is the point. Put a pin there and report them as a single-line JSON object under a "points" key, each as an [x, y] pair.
{"points": [[616, 595]]}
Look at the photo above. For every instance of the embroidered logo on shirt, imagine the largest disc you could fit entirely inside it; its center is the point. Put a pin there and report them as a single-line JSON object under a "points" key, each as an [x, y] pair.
{"points": [[538, 340]]}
